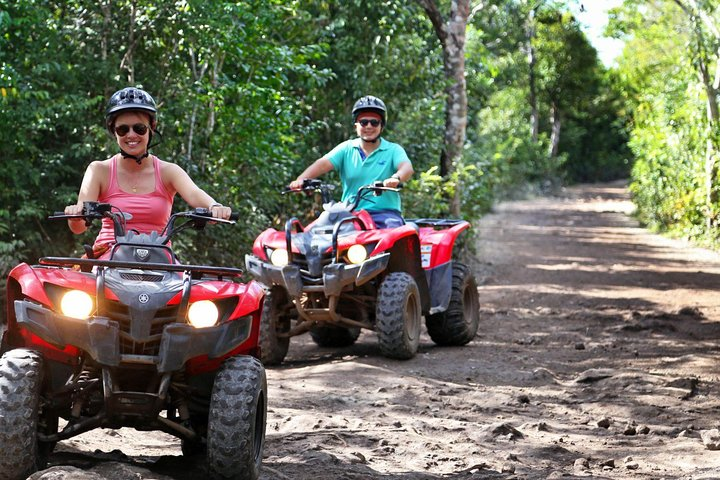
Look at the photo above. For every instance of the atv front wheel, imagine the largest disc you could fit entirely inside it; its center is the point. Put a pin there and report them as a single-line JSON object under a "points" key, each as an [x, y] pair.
{"points": [[21, 377], [334, 336], [236, 422], [274, 322], [398, 316], [459, 323]]}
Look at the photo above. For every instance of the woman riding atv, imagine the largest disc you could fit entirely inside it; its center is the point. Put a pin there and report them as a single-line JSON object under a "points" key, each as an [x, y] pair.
{"points": [[134, 180]]}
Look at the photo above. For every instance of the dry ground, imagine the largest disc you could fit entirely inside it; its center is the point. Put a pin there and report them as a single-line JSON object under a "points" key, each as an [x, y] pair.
{"points": [[597, 357]]}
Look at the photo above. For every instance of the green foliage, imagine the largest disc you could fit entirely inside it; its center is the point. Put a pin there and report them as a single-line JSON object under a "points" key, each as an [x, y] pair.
{"points": [[672, 134], [251, 92]]}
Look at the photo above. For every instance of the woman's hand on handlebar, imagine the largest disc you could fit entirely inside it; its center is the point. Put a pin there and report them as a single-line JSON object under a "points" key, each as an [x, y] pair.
{"points": [[221, 211], [74, 210], [76, 225]]}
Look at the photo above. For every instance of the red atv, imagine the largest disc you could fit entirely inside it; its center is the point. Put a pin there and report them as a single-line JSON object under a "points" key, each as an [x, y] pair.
{"points": [[137, 340], [340, 274]]}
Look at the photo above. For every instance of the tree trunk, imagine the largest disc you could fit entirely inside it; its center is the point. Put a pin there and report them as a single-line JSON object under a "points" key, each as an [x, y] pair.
{"points": [[534, 115], [555, 134], [451, 34], [127, 61]]}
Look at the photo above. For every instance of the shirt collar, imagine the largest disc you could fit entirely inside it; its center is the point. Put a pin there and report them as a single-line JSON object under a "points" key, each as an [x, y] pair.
{"points": [[382, 146]]}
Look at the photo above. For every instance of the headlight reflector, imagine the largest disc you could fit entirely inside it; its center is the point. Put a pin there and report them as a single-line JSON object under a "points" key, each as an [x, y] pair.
{"points": [[203, 314], [357, 254], [279, 257], [76, 304]]}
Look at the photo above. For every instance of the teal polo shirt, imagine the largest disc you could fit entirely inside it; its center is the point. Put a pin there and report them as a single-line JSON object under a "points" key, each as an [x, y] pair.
{"points": [[356, 171]]}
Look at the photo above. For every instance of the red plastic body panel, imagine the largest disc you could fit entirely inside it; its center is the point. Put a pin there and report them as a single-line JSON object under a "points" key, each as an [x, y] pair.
{"points": [[30, 281], [436, 246]]}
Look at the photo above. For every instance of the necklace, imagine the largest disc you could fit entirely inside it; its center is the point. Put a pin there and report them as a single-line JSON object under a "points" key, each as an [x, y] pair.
{"points": [[134, 180]]}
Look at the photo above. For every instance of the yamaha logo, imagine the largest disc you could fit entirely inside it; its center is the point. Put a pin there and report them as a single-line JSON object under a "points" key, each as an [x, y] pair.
{"points": [[144, 298], [142, 254]]}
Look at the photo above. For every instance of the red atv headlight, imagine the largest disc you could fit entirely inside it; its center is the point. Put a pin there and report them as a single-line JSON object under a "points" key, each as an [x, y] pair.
{"points": [[279, 257], [77, 304], [203, 314], [356, 254]]}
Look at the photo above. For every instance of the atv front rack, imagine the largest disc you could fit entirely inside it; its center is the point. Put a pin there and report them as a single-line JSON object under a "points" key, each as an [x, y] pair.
{"points": [[197, 270]]}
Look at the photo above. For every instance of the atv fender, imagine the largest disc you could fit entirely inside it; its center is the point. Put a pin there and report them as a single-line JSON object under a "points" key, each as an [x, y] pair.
{"points": [[261, 240], [405, 257], [442, 241], [31, 282]]}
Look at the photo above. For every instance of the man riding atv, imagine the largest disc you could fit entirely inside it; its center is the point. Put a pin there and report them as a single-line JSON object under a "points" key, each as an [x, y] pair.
{"points": [[341, 273], [367, 159]]}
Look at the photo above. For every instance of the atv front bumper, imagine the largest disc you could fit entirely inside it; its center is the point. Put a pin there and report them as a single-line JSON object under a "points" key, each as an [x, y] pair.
{"points": [[101, 337], [335, 276]]}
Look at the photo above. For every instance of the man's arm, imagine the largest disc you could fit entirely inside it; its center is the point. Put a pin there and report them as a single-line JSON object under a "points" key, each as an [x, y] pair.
{"points": [[319, 167]]}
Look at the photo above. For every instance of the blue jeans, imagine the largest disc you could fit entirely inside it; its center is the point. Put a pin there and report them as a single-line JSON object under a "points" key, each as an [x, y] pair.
{"points": [[387, 218]]}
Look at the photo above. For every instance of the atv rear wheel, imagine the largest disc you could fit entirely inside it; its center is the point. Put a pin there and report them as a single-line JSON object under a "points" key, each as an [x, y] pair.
{"points": [[21, 378], [459, 323], [398, 316], [274, 322], [334, 336], [237, 418]]}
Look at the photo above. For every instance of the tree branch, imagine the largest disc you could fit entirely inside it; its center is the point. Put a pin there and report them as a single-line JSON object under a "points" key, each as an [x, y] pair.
{"points": [[436, 19]]}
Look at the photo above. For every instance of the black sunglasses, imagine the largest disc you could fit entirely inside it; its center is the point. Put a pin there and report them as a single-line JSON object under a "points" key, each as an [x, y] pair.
{"points": [[364, 122], [139, 128]]}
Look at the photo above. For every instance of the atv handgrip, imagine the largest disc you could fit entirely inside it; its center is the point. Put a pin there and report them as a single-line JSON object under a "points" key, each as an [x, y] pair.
{"points": [[207, 213]]}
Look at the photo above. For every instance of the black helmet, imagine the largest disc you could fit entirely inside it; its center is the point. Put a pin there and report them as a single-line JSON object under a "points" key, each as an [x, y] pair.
{"points": [[129, 99], [369, 103]]}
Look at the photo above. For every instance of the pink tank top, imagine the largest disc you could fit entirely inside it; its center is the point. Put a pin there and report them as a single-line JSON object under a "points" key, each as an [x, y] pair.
{"points": [[150, 211]]}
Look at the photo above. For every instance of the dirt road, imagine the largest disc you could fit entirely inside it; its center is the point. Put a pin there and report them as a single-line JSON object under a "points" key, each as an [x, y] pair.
{"points": [[597, 357]]}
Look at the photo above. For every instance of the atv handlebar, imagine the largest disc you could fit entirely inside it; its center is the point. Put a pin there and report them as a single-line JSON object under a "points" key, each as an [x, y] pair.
{"points": [[197, 218], [375, 189], [313, 185]]}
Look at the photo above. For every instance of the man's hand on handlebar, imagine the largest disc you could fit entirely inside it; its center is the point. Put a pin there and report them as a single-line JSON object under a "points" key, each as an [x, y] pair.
{"points": [[391, 182], [297, 184]]}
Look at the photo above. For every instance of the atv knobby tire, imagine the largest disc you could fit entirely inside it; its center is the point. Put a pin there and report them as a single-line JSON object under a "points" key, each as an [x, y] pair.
{"points": [[237, 418], [334, 336], [21, 377], [274, 321], [398, 314], [459, 323]]}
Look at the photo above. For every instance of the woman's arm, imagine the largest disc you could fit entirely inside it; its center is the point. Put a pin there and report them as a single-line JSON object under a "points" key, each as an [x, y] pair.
{"points": [[195, 196], [89, 192]]}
